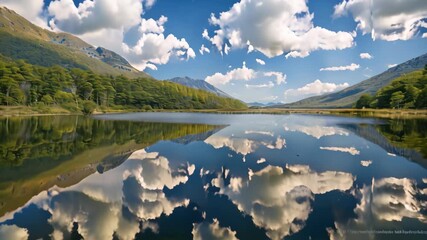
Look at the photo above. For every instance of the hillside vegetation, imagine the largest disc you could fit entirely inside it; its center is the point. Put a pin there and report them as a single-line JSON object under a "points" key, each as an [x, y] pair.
{"points": [[22, 83], [347, 97], [20, 39], [408, 91], [199, 84]]}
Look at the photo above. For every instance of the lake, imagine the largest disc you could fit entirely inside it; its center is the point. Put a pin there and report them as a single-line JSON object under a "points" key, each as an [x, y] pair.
{"points": [[212, 176]]}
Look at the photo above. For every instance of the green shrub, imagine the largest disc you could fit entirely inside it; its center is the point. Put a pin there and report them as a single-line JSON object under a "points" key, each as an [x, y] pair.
{"points": [[364, 101], [88, 107], [70, 107], [47, 99], [147, 108], [63, 97]]}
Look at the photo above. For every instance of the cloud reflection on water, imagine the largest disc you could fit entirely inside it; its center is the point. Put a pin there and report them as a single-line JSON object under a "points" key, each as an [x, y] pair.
{"points": [[100, 214], [277, 191], [13, 232], [316, 131], [212, 231], [383, 205], [279, 200]]}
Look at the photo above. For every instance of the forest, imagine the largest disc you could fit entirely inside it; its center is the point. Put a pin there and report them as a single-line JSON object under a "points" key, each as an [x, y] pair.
{"points": [[82, 90], [408, 91]]}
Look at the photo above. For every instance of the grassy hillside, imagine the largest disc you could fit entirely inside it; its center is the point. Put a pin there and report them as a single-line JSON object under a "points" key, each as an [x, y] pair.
{"points": [[76, 89], [347, 97], [20, 39], [406, 91], [199, 84]]}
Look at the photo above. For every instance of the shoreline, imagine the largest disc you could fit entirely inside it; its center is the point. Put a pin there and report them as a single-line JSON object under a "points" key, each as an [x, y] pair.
{"points": [[25, 111], [348, 112]]}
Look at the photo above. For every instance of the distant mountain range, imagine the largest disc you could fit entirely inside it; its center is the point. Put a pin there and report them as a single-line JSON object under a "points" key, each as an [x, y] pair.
{"points": [[20, 39], [199, 84], [258, 104], [347, 97]]}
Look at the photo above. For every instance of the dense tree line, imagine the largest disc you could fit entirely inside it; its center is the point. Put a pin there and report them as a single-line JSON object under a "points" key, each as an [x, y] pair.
{"points": [[406, 91], [25, 84]]}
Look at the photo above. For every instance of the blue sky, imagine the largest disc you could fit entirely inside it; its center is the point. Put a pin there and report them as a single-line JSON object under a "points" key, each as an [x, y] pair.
{"points": [[318, 34]]}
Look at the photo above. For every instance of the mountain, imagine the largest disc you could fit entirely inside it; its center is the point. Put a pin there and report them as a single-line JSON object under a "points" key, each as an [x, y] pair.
{"points": [[20, 39], [199, 84], [258, 104], [347, 97], [255, 104]]}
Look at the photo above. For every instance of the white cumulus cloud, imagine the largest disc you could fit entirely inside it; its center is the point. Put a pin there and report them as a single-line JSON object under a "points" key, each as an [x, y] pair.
{"points": [[246, 74], [31, 10], [388, 20], [205, 34], [366, 56], [392, 65], [204, 49], [315, 88], [270, 84], [149, 3], [243, 73], [259, 61], [154, 48], [280, 77], [91, 16], [350, 67], [273, 28], [152, 26]]}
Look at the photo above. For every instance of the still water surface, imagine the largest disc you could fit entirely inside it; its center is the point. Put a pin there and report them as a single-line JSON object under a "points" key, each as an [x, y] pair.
{"points": [[210, 176]]}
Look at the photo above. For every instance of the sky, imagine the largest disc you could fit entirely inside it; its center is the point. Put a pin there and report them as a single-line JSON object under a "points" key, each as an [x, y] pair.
{"points": [[255, 50]]}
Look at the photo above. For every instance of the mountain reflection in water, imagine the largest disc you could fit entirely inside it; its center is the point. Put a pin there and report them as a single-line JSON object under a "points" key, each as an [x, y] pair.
{"points": [[247, 177]]}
